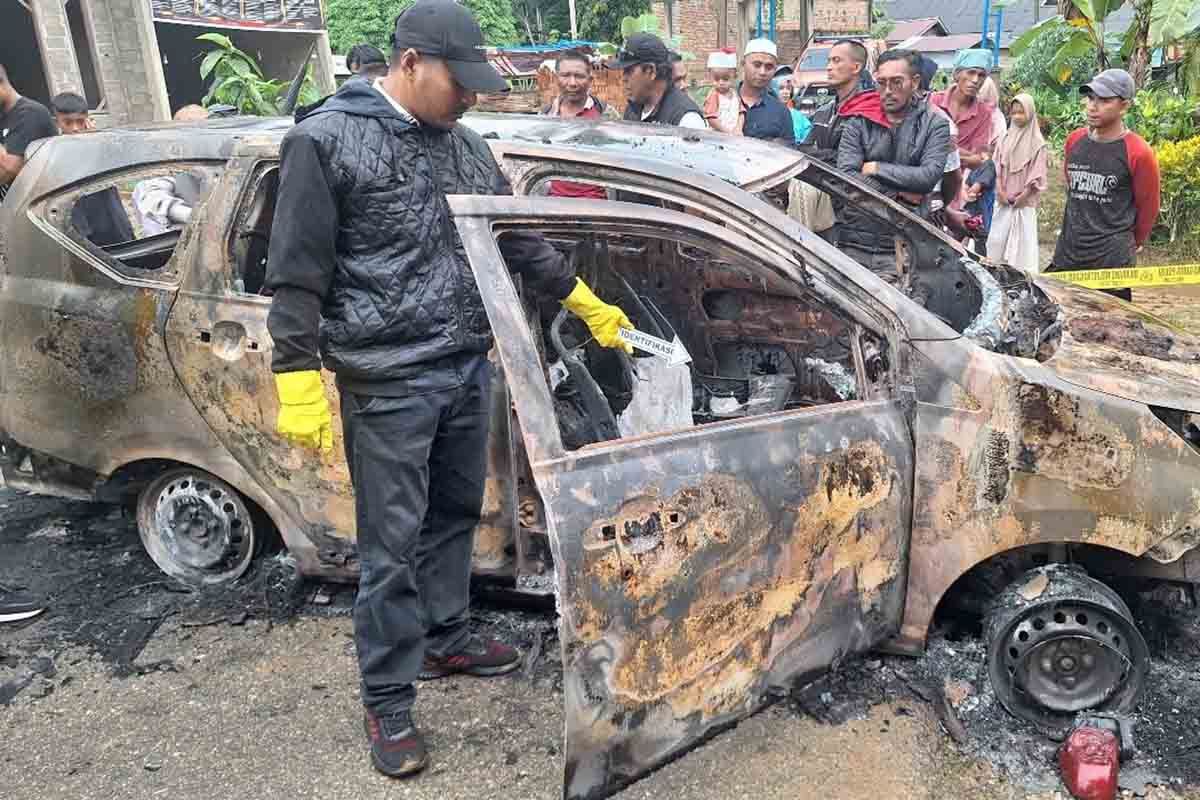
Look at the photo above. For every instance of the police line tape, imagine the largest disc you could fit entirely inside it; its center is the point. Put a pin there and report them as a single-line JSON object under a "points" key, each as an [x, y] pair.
{"points": [[1131, 277]]}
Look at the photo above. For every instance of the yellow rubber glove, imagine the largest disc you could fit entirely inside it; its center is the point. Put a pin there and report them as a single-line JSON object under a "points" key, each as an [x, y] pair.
{"points": [[304, 416], [602, 319]]}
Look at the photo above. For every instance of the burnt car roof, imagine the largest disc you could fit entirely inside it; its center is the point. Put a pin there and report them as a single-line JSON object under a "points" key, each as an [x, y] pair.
{"points": [[750, 161]]}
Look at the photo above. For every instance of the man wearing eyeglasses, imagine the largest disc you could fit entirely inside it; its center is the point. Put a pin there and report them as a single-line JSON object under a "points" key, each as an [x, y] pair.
{"points": [[899, 145], [645, 63]]}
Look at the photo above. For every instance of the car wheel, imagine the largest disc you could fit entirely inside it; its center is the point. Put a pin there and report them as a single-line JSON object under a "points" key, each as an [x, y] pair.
{"points": [[196, 527], [1060, 642]]}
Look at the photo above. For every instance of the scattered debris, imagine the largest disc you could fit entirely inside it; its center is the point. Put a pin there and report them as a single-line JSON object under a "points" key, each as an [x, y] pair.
{"points": [[944, 709]]}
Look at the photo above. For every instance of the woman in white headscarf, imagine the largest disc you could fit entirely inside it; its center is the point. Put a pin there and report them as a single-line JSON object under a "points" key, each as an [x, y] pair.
{"points": [[1020, 180]]}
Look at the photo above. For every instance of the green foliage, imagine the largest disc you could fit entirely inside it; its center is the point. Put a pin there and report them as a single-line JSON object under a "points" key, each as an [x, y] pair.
{"points": [[1058, 115], [352, 22], [1171, 20], [601, 20], [881, 24], [1081, 35], [1159, 115], [1179, 163], [1038, 64], [238, 81]]}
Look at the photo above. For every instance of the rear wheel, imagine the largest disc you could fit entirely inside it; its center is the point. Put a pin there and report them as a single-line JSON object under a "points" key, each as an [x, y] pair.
{"points": [[1060, 642], [196, 527]]}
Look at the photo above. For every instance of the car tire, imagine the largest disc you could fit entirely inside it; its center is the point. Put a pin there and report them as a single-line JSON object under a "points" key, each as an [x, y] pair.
{"points": [[197, 528], [1060, 642]]}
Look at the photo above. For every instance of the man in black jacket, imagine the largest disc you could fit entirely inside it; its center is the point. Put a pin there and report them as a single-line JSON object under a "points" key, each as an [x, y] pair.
{"points": [[646, 66], [367, 268], [847, 60], [899, 145]]}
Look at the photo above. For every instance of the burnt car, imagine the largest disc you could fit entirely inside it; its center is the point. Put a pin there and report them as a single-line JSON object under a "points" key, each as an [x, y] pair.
{"points": [[815, 466]]}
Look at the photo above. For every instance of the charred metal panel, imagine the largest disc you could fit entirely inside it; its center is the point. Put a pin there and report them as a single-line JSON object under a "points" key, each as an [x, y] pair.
{"points": [[697, 570], [1010, 454], [1114, 347]]}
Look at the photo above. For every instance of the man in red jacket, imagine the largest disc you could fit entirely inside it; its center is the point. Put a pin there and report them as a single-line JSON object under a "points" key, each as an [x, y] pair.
{"points": [[1112, 184]]}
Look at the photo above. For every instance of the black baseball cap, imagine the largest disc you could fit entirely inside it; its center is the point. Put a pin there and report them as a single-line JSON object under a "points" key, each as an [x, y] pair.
{"points": [[446, 29], [1110, 83], [640, 48]]}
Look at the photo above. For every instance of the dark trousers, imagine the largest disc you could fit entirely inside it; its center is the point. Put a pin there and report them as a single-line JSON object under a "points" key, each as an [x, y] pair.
{"points": [[418, 465]]}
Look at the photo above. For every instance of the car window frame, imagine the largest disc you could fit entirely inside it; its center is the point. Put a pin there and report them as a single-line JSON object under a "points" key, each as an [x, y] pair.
{"points": [[489, 218], [52, 214]]}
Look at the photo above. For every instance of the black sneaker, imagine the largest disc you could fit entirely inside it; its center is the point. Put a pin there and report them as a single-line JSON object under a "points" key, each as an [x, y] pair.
{"points": [[397, 747], [16, 605], [481, 657]]}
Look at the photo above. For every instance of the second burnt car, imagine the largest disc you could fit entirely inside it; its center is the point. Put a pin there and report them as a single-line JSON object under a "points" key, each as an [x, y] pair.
{"points": [[833, 462]]}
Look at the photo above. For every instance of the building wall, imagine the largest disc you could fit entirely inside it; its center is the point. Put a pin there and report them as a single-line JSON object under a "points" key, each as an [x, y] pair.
{"points": [[842, 16], [54, 42], [698, 22]]}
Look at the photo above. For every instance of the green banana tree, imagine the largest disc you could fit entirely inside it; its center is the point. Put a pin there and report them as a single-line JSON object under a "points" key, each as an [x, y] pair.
{"points": [[1157, 23]]}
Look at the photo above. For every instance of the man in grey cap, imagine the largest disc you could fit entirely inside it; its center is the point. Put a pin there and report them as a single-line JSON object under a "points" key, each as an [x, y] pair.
{"points": [[370, 278], [1112, 184]]}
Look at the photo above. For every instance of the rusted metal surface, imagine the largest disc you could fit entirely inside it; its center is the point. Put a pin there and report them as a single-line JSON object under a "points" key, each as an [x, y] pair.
{"points": [[698, 569], [1011, 454], [1115, 347]]}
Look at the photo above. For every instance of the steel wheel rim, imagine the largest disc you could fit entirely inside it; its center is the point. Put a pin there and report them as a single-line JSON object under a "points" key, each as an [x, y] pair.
{"points": [[1066, 657], [202, 527]]}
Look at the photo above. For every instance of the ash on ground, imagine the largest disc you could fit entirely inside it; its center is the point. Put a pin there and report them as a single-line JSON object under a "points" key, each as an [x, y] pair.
{"points": [[104, 596], [952, 678]]}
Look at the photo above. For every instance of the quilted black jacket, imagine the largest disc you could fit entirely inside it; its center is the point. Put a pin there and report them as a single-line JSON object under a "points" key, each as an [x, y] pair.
{"points": [[910, 158], [363, 242]]}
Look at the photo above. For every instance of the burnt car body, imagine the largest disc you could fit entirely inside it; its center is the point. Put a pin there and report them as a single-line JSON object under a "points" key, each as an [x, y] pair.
{"points": [[834, 459]]}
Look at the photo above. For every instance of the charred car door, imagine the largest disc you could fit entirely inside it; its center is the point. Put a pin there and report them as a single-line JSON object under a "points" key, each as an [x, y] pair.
{"points": [[717, 529], [220, 349]]}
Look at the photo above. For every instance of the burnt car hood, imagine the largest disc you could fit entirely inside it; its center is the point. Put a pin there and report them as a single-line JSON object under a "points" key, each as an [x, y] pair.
{"points": [[1115, 347]]}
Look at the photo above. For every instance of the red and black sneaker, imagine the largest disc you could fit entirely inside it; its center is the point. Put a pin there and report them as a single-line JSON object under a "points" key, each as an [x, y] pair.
{"points": [[397, 747], [481, 657]]}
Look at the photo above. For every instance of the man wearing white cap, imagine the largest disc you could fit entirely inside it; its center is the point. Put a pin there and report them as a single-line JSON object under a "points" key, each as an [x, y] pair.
{"points": [[764, 116]]}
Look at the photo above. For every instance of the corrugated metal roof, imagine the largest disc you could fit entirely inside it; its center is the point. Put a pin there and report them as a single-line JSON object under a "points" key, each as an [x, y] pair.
{"points": [[944, 44], [913, 27], [966, 16]]}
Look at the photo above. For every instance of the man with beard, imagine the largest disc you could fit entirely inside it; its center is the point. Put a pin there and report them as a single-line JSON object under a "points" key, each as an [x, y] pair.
{"points": [[370, 277], [899, 145], [764, 115]]}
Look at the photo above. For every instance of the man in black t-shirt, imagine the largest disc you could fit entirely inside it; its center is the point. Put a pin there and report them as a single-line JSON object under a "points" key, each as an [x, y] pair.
{"points": [[22, 121], [1113, 184]]}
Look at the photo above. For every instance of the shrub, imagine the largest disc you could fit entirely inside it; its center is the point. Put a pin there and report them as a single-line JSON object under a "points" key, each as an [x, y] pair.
{"points": [[1179, 163], [1034, 68], [1160, 114]]}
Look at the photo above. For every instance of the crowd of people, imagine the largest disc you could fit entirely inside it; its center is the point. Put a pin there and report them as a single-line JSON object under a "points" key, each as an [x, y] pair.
{"points": [[958, 157]]}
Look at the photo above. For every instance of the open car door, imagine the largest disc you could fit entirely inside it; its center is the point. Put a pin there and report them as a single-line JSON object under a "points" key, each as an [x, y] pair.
{"points": [[700, 566]]}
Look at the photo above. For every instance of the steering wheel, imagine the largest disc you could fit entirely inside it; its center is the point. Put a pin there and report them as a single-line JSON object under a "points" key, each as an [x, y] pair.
{"points": [[601, 419]]}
